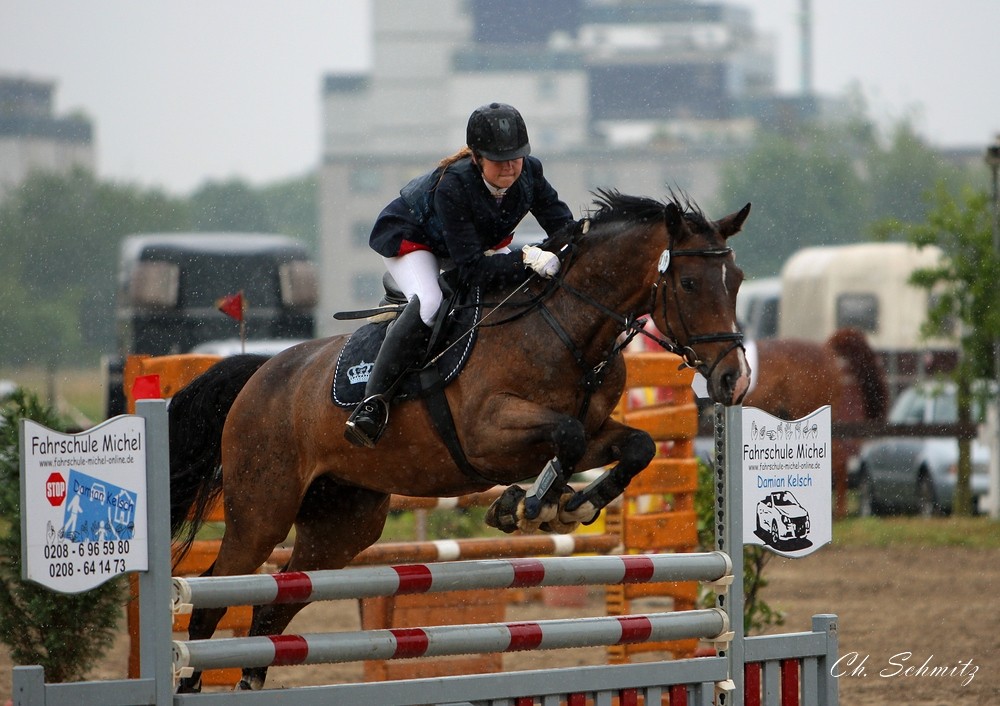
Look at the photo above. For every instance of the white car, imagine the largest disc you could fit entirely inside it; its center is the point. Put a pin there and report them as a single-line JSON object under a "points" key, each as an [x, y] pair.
{"points": [[233, 346], [912, 473]]}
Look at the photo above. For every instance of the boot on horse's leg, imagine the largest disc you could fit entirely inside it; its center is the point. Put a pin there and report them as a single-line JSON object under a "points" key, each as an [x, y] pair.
{"points": [[405, 344]]}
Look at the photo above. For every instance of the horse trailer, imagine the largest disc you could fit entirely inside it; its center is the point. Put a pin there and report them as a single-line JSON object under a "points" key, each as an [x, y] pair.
{"points": [[169, 285], [866, 286]]}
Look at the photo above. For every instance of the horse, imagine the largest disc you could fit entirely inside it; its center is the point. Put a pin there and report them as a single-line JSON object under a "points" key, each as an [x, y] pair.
{"points": [[792, 378], [534, 401]]}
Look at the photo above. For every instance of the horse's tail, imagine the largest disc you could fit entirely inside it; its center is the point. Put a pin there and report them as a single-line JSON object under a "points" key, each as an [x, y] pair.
{"points": [[852, 347], [197, 414]]}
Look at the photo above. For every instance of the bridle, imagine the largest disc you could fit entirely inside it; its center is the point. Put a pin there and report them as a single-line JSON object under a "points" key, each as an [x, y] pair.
{"points": [[633, 326], [687, 352]]}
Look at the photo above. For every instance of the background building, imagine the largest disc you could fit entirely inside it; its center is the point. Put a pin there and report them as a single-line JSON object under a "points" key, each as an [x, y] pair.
{"points": [[32, 138], [641, 96]]}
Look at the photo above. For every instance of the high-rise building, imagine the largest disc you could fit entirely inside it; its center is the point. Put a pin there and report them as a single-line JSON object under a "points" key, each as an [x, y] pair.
{"points": [[33, 138], [637, 95]]}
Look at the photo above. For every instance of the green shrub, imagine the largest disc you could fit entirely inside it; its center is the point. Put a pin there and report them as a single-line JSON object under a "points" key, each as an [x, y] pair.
{"points": [[67, 634]]}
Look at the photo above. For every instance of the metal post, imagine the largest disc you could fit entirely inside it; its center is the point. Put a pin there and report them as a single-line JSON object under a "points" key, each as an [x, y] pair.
{"points": [[728, 484], [155, 620], [993, 161]]}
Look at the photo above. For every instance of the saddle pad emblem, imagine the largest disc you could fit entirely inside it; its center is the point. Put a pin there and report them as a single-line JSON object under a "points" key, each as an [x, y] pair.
{"points": [[359, 374]]}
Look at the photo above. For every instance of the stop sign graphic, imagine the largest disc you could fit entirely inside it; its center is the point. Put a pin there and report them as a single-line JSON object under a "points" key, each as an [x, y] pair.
{"points": [[55, 489]]}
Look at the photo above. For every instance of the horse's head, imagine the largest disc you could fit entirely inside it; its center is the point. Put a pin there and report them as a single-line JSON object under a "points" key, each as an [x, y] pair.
{"points": [[695, 297]]}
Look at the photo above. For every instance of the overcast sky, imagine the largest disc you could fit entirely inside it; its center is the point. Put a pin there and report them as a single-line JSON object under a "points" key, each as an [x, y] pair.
{"points": [[190, 90]]}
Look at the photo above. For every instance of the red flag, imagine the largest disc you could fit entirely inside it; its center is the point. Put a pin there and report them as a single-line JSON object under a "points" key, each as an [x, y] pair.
{"points": [[146, 387], [232, 306]]}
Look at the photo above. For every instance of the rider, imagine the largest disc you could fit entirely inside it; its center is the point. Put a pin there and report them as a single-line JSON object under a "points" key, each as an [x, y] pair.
{"points": [[460, 215]]}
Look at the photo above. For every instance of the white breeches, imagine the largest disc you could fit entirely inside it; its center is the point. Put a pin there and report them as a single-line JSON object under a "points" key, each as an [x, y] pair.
{"points": [[417, 273]]}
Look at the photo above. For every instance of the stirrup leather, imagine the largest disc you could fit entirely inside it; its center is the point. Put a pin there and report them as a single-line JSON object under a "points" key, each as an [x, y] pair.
{"points": [[367, 422]]}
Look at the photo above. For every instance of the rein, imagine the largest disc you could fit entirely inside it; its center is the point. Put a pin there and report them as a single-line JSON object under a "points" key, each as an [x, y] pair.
{"points": [[593, 376], [632, 326]]}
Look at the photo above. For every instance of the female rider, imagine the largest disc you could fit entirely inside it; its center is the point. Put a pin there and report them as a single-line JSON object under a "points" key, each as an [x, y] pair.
{"points": [[460, 215]]}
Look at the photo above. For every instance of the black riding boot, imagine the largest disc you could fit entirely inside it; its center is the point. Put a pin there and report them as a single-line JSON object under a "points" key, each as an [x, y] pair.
{"points": [[405, 344]]}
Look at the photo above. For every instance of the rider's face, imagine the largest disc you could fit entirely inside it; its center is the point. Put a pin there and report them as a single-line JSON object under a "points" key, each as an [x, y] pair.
{"points": [[501, 174]]}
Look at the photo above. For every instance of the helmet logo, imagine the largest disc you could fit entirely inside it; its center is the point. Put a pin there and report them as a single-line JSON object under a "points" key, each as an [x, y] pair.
{"points": [[504, 125]]}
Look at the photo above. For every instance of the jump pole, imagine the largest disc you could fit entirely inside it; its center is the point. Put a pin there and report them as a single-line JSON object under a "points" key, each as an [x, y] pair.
{"points": [[369, 582], [436, 641]]}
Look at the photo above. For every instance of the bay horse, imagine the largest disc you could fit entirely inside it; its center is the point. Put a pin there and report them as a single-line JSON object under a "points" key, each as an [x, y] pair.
{"points": [[534, 400], [792, 378]]}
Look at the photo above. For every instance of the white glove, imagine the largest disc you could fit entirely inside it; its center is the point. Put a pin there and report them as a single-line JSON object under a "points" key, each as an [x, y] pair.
{"points": [[541, 261]]}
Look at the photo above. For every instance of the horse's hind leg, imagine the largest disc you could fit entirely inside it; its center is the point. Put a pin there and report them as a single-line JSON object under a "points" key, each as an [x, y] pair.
{"points": [[201, 626], [251, 535], [336, 522]]}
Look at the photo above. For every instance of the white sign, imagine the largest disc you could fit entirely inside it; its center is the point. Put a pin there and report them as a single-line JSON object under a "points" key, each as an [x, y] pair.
{"points": [[787, 495], [84, 511]]}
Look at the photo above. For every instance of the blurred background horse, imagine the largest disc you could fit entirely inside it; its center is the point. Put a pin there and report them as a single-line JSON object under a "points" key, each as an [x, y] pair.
{"points": [[792, 378]]}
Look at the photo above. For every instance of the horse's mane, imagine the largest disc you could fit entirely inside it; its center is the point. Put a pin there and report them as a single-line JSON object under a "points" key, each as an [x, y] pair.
{"points": [[851, 345], [615, 207]]}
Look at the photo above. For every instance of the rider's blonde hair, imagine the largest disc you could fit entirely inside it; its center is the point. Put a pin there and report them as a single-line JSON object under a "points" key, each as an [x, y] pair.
{"points": [[450, 160], [461, 154]]}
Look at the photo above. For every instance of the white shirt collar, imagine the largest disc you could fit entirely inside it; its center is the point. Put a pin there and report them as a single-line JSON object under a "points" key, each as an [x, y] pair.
{"points": [[494, 191]]}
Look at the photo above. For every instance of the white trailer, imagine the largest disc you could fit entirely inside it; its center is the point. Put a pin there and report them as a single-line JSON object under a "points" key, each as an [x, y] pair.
{"points": [[866, 286]]}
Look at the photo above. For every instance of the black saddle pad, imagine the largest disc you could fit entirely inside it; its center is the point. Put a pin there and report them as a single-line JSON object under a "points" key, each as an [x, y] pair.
{"points": [[355, 362]]}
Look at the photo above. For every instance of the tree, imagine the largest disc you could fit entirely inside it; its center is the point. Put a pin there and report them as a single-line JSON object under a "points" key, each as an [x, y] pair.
{"points": [[804, 192], [229, 206], [65, 633], [829, 185], [293, 208], [964, 287], [901, 176], [61, 235]]}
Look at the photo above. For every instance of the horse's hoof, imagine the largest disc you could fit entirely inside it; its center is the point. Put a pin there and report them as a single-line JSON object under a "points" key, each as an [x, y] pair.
{"points": [[189, 686], [532, 507], [547, 513], [502, 514]]}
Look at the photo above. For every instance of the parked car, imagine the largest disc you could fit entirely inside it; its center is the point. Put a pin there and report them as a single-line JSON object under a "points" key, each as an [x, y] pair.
{"points": [[917, 474]]}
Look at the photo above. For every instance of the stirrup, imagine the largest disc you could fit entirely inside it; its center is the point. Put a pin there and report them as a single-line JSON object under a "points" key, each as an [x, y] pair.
{"points": [[367, 422]]}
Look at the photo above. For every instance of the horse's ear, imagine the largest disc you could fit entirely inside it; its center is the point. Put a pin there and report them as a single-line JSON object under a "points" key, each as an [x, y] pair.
{"points": [[673, 216], [731, 224]]}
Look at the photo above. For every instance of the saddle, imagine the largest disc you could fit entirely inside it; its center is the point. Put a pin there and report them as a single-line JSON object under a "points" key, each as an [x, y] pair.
{"points": [[448, 351]]}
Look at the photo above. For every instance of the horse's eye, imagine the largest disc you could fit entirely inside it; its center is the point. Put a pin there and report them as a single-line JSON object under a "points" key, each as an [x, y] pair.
{"points": [[688, 284]]}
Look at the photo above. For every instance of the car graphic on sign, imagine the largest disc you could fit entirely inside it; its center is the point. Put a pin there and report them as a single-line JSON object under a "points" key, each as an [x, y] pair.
{"points": [[781, 516]]}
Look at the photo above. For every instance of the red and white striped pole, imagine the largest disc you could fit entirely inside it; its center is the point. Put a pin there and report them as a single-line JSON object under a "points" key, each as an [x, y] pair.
{"points": [[367, 582], [399, 643]]}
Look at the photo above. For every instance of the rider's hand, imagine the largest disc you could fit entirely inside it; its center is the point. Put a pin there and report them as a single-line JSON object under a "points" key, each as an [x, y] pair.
{"points": [[541, 261]]}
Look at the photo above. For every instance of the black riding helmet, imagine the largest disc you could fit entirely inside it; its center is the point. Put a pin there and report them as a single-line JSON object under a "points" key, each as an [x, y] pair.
{"points": [[497, 132]]}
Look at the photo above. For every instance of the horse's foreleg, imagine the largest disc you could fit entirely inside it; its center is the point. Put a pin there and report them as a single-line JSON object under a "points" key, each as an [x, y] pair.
{"points": [[535, 508], [633, 452]]}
